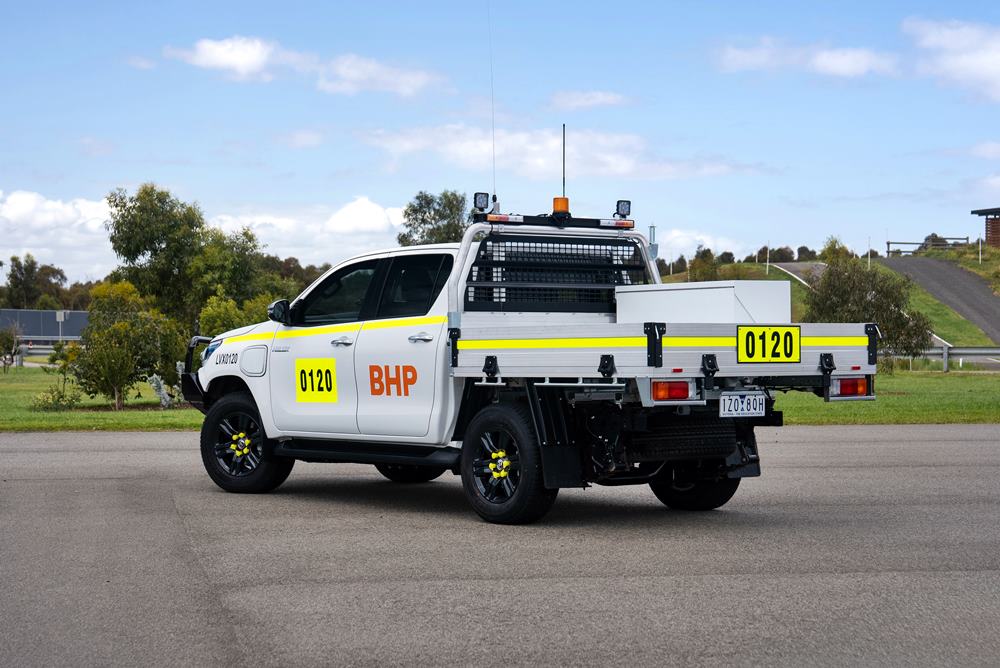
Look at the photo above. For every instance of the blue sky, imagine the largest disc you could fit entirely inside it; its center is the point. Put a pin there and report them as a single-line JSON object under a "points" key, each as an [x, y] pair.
{"points": [[725, 123]]}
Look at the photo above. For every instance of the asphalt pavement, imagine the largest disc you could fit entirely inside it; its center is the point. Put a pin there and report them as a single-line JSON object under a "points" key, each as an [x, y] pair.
{"points": [[803, 271], [859, 545], [966, 293]]}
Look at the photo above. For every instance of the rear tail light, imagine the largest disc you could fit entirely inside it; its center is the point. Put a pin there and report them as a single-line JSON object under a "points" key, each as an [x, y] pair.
{"points": [[668, 390], [853, 387]]}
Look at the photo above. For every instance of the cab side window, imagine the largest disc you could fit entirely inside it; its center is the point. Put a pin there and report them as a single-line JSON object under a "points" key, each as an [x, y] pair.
{"points": [[412, 284], [340, 297]]}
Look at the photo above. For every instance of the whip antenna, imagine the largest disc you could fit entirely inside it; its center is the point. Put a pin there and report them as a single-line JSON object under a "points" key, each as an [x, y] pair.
{"points": [[564, 160], [493, 117]]}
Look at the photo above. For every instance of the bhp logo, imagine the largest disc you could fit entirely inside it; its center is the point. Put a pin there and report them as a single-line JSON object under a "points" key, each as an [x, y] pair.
{"points": [[383, 379]]}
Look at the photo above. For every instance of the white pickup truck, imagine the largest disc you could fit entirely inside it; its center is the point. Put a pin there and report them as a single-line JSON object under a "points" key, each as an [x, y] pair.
{"points": [[541, 352]]}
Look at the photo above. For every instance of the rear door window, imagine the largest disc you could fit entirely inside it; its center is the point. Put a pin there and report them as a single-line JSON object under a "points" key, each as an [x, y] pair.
{"points": [[413, 283]]}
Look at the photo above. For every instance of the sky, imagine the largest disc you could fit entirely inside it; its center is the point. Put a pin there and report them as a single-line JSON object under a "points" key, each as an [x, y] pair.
{"points": [[728, 124]]}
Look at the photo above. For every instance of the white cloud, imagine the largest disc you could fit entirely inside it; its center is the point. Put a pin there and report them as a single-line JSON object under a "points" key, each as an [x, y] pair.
{"points": [[140, 63], [674, 242], [537, 154], [71, 234], [987, 149], [363, 216], [961, 53], [303, 139], [253, 58], [241, 57], [350, 74], [769, 54], [320, 236], [571, 100], [96, 147], [991, 183], [852, 62]]}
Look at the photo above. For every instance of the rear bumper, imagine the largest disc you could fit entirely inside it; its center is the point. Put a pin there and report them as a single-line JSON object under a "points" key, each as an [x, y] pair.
{"points": [[191, 389]]}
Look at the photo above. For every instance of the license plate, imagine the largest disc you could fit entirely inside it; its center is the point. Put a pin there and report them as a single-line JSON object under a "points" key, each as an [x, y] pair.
{"points": [[761, 345], [742, 404]]}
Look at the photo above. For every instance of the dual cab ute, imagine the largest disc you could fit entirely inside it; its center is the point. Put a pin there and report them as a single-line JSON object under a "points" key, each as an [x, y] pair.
{"points": [[539, 353]]}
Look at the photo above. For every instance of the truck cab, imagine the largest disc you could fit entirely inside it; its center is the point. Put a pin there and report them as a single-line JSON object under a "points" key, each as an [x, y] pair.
{"points": [[539, 353]]}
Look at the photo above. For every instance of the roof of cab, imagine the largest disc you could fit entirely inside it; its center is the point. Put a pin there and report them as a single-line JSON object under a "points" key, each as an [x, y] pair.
{"points": [[406, 249]]}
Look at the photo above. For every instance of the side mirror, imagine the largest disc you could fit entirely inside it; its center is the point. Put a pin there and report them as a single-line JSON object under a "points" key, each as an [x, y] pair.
{"points": [[280, 311]]}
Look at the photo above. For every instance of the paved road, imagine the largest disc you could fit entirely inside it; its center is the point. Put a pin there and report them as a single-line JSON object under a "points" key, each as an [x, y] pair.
{"points": [[968, 294], [859, 545], [802, 270]]}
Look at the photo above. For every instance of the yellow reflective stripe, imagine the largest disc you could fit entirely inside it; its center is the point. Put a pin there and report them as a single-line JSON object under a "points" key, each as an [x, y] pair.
{"points": [[313, 331], [699, 341], [267, 336], [407, 322], [830, 341], [593, 342]]}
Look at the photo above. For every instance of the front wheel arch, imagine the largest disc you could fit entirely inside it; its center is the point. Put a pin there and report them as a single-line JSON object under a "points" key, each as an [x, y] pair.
{"points": [[222, 386]]}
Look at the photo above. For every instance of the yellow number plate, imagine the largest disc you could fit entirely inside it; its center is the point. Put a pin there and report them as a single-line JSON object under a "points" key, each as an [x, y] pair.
{"points": [[316, 380], [768, 344]]}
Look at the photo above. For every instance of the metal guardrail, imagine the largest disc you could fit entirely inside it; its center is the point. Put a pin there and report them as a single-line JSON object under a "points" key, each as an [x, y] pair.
{"points": [[945, 353], [47, 338]]}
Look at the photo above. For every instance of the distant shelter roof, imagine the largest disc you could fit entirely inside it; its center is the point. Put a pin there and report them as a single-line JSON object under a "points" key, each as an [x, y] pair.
{"points": [[986, 212]]}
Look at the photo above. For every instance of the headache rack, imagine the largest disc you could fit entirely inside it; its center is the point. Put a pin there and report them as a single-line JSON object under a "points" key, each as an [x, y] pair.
{"points": [[538, 273]]}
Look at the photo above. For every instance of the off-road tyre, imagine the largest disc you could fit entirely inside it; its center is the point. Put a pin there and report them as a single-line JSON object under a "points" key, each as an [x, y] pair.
{"points": [[697, 495], [256, 471], [519, 496], [410, 473]]}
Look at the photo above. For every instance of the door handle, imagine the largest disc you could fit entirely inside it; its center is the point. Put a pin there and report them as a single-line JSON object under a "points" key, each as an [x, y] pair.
{"points": [[422, 337], [342, 341]]}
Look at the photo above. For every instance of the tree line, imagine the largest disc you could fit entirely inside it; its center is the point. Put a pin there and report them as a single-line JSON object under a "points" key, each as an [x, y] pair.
{"points": [[178, 276]]}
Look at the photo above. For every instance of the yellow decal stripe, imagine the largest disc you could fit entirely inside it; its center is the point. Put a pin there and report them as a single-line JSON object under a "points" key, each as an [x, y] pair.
{"points": [[407, 322], [832, 341], [524, 344], [699, 341], [314, 331], [267, 336]]}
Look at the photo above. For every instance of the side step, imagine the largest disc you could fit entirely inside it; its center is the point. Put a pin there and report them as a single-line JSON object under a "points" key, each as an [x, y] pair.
{"points": [[354, 452]]}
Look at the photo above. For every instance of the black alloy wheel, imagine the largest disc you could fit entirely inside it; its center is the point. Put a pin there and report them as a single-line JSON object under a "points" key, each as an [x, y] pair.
{"points": [[239, 443], [502, 466], [497, 468], [235, 450]]}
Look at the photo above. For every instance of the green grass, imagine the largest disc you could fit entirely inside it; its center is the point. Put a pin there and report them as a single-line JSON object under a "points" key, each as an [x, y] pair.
{"points": [[945, 322], [920, 397], [18, 386]]}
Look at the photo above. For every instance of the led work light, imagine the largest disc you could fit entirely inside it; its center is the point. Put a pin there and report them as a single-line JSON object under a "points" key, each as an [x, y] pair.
{"points": [[481, 201]]}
